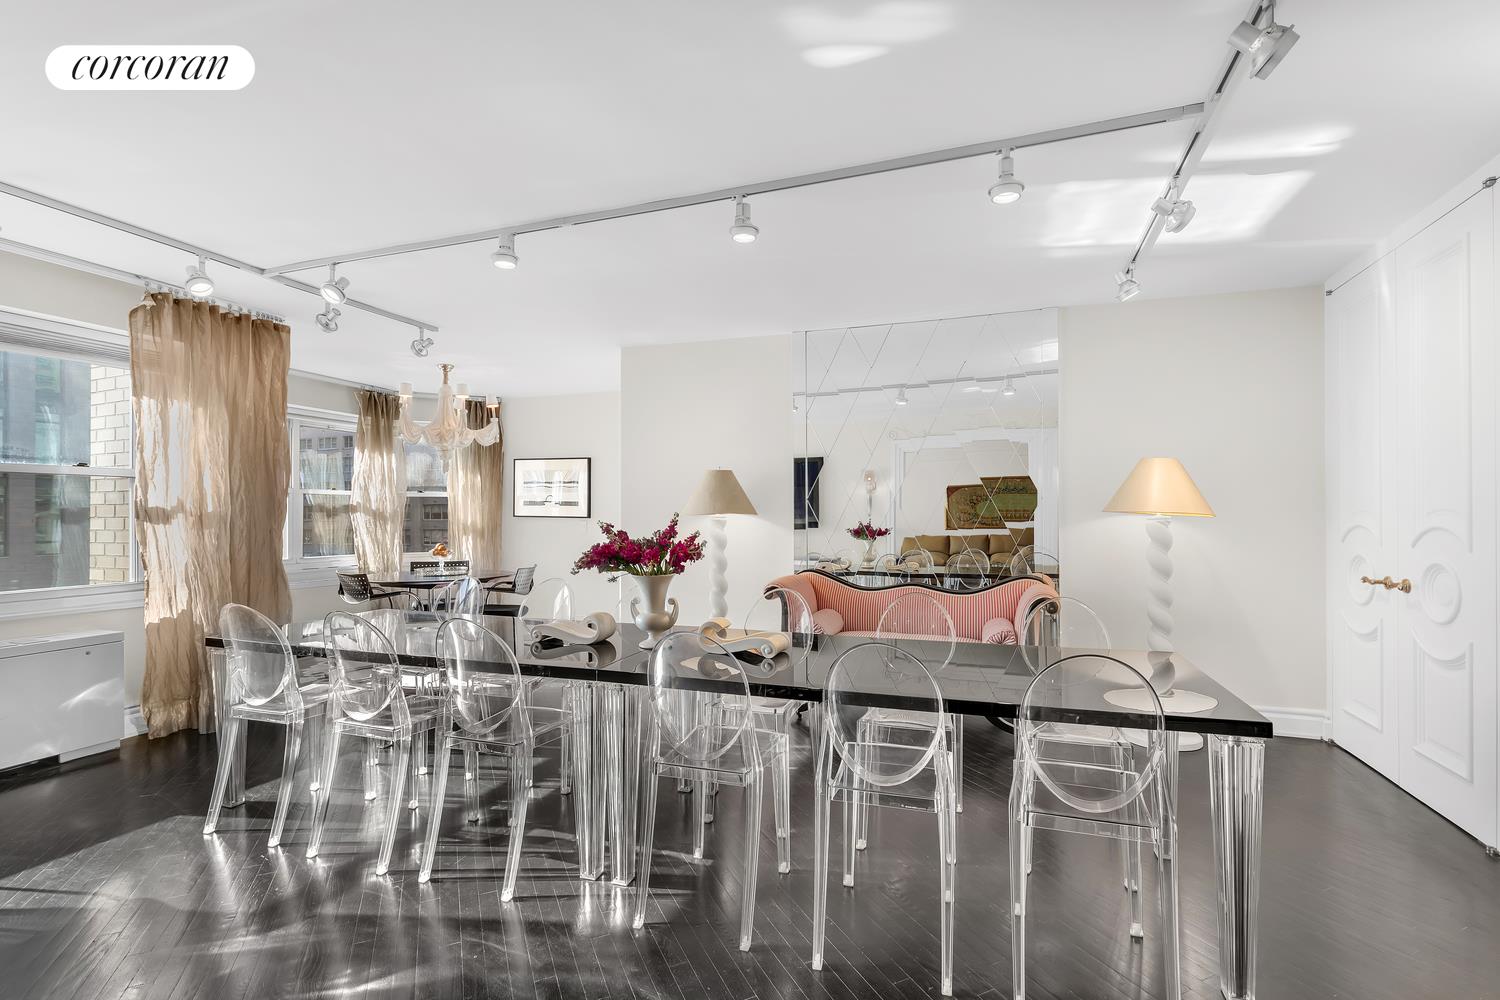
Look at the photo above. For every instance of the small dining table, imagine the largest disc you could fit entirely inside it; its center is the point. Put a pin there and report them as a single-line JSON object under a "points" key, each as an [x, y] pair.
{"points": [[607, 682], [426, 583]]}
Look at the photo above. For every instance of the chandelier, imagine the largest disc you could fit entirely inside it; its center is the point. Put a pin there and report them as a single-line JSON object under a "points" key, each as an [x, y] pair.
{"points": [[449, 429]]}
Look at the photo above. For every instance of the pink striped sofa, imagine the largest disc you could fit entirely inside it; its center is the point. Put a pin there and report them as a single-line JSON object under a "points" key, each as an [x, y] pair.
{"points": [[994, 614]]}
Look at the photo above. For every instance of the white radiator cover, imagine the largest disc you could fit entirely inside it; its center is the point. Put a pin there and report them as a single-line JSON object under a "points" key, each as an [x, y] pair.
{"points": [[64, 696]]}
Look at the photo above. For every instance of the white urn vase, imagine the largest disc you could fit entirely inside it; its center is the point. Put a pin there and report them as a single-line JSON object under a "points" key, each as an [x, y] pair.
{"points": [[653, 611]]}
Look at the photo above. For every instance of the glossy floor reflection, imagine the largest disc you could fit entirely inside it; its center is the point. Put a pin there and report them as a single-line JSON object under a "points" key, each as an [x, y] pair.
{"points": [[109, 889]]}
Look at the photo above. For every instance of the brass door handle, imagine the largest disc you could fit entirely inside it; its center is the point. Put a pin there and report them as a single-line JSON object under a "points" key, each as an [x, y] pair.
{"points": [[1402, 585]]}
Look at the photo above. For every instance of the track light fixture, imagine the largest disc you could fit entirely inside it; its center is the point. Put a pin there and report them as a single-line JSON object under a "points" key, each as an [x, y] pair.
{"points": [[743, 230], [422, 346], [335, 290], [1007, 189], [1265, 47], [1129, 287], [1008, 388], [199, 285], [328, 320], [901, 399], [1177, 212], [504, 256]]}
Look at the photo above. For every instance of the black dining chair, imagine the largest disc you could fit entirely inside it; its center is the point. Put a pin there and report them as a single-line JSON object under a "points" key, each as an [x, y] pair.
{"points": [[520, 585], [355, 588]]}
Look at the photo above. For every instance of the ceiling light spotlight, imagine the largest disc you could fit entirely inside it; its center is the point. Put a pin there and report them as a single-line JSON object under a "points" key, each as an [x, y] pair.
{"points": [[328, 320], [335, 290], [504, 256], [1129, 287], [1177, 212], [199, 285], [1009, 388], [1265, 47], [1008, 189], [743, 230], [422, 346], [901, 399]]}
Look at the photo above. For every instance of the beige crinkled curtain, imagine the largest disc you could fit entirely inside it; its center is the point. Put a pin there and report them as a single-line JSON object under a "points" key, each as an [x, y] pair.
{"points": [[212, 468], [476, 498], [378, 504]]}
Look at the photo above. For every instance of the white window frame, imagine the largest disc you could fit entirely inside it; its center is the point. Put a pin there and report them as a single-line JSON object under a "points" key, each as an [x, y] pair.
{"points": [[25, 332], [311, 570]]}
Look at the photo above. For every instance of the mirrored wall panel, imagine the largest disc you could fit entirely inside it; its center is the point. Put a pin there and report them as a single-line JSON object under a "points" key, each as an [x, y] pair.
{"points": [[928, 447]]}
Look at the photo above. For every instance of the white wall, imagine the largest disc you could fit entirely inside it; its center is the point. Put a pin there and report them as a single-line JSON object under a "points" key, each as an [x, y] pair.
{"points": [[561, 427], [686, 408], [1233, 386]]}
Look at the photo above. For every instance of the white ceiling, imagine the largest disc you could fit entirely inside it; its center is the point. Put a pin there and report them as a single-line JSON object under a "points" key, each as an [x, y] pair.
{"points": [[386, 122]]}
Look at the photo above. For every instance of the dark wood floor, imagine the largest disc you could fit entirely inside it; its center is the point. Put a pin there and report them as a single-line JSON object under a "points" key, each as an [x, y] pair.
{"points": [[109, 889]]}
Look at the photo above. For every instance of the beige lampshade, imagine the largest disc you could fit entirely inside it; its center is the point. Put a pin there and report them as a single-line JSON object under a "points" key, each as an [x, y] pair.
{"points": [[718, 493], [1159, 486]]}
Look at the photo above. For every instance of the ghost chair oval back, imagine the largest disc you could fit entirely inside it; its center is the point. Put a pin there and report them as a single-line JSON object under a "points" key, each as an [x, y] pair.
{"points": [[1063, 784], [918, 563], [969, 570], [891, 565], [550, 600], [264, 686], [692, 737], [355, 588], [464, 596], [917, 620], [775, 636], [373, 697], [863, 762], [487, 710], [1029, 560]]}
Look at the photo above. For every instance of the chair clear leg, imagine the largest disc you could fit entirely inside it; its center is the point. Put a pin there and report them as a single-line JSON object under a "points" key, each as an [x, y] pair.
{"points": [[1019, 865], [752, 859], [435, 810], [947, 819], [521, 767], [427, 746], [700, 817], [314, 738], [393, 820], [372, 769], [956, 727], [851, 825], [416, 768], [781, 806], [648, 831], [320, 801], [289, 756], [822, 810], [229, 734], [565, 760], [471, 784]]}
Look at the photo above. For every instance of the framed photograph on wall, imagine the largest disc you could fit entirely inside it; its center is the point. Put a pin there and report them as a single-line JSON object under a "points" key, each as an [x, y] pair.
{"points": [[551, 487]]}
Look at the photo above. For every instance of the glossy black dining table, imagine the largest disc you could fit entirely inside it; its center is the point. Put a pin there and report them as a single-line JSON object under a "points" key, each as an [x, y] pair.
{"points": [[608, 681]]}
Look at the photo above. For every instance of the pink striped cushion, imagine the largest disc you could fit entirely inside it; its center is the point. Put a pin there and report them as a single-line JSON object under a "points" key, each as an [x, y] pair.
{"points": [[1000, 631], [861, 609], [826, 621]]}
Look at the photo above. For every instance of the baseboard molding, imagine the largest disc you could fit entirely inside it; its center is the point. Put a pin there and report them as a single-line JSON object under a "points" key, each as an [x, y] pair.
{"points": [[135, 722], [1298, 723]]}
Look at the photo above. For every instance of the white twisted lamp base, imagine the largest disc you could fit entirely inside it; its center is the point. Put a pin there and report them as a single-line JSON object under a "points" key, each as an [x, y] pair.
{"points": [[718, 564]]}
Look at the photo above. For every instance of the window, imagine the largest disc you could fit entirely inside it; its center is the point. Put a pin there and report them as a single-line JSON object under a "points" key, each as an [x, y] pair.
{"points": [[66, 473], [318, 510]]}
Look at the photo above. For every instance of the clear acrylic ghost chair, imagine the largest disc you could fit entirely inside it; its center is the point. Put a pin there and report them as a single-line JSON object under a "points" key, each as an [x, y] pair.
{"points": [[919, 616], [866, 763], [1031, 561], [779, 618], [486, 710], [890, 565], [692, 737], [373, 697], [917, 562], [464, 596], [1062, 785], [264, 686], [550, 600], [969, 570]]}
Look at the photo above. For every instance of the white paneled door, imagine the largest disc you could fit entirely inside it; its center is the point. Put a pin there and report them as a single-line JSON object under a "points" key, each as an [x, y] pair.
{"points": [[1445, 515], [1412, 503], [1360, 339]]}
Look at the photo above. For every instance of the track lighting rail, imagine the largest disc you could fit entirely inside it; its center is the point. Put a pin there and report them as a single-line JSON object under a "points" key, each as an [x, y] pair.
{"points": [[990, 148]]}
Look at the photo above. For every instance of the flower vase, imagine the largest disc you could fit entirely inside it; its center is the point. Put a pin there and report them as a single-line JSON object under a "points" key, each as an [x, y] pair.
{"points": [[869, 562], [653, 611]]}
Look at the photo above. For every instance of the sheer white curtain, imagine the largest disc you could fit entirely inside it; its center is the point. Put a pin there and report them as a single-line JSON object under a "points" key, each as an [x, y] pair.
{"points": [[378, 501], [476, 498], [212, 469]]}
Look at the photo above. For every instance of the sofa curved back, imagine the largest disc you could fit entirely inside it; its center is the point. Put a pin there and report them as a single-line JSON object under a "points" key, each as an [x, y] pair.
{"points": [[971, 611]]}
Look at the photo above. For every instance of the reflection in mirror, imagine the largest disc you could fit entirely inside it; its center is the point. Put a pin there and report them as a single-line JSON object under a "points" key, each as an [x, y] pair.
{"points": [[943, 431]]}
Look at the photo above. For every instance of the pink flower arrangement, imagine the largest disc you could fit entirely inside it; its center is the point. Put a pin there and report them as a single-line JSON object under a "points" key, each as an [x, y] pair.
{"points": [[660, 554], [867, 532]]}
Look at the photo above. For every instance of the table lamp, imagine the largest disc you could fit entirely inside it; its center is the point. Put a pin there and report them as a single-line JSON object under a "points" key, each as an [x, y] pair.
{"points": [[718, 495], [1161, 489]]}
